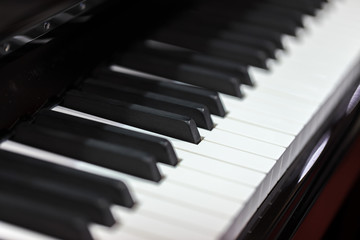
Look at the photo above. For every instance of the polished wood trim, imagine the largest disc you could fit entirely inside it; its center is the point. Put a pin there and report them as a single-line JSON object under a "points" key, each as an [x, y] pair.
{"points": [[332, 197]]}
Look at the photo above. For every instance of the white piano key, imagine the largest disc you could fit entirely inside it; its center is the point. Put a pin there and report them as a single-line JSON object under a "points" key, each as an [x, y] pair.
{"points": [[247, 144], [289, 76], [190, 197], [117, 232], [318, 42], [321, 45], [264, 93], [145, 222], [175, 214], [253, 131], [198, 222], [304, 109], [307, 83], [189, 218], [321, 67], [229, 155], [265, 120], [261, 105], [219, 169], [305, 88], [203, 182], [291, 95], [11, 232], [267, 105], [322, 50], [273, 96]]}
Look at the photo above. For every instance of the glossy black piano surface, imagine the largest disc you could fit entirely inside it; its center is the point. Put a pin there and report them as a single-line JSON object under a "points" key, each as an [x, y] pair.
{"points": [[51, 51]]}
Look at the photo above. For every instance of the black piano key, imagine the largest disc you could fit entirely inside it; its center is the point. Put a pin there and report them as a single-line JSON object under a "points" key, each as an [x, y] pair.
{"points": [[209, 98], [232, 51], [264, 45], [219, 24], [87, 206], [309, 5], [294, 14], [160, 148], [280, 24], [220, 48], [306, 6], [257, 31], [194, 74], [320, 3], [150, 119], [230, 67], [94, 151], [187, 73], [30, 214], [206, 30], [196, 111], [234, 12], [184, 55], [114, 191]]}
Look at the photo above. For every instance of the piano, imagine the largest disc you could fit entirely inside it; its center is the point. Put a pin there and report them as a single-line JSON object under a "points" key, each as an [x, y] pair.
{"points": [[175, 120]]}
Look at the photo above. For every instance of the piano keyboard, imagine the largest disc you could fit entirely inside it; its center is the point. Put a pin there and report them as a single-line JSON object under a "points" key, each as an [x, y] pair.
{"points": [[221, 180]]}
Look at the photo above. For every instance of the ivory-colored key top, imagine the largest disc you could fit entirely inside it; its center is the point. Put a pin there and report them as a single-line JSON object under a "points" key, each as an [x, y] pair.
{"points": [[146, 222], [203, 182], [195, 199], [236, 174], [181, 215], [244, 143], [253, 131], [267, 121], [234, 156]]}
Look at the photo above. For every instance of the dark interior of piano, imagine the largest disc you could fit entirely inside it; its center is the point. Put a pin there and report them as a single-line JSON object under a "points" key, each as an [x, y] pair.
{"points": [[188, 119]]}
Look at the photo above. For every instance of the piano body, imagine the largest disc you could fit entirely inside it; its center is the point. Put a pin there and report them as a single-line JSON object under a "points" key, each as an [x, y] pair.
{"points": [[281, 119]]}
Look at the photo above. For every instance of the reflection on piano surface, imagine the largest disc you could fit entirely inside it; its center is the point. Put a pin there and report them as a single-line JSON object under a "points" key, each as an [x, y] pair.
{"points": [[209, 120]]}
